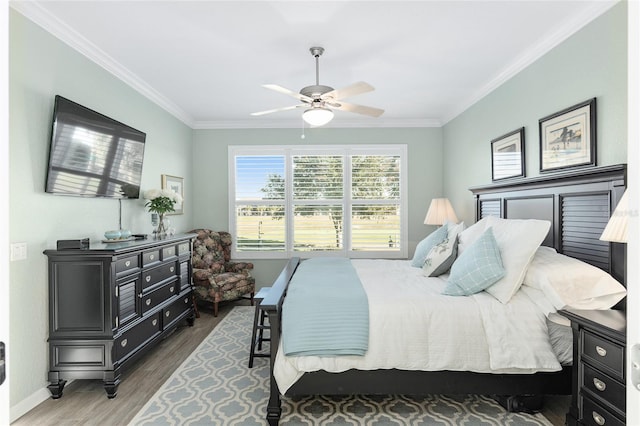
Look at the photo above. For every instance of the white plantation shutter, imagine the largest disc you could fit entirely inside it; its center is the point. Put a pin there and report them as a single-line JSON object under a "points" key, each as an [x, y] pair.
{"points": [[375, 202], [318, 200]]}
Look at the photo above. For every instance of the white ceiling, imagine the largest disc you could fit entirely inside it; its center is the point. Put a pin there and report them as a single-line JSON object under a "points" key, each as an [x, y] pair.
{"points": [[205, 61]]}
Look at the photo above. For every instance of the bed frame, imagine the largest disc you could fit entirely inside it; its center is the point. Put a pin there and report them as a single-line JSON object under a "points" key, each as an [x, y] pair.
{"points": [[578, 205]]}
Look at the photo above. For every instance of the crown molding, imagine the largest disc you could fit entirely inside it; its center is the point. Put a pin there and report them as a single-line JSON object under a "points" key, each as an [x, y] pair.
{"points": [[43, 18], [530, 56], [297, 124], [40, 16]]}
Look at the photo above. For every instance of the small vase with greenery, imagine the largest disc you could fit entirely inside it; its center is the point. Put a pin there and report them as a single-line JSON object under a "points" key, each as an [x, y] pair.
{"points": [[161, 201]]}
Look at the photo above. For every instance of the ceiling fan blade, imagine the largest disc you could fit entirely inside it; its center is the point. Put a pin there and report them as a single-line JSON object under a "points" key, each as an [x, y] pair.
{"points": [[359, 109], [286, 91], [269, 111], [352, 90]]}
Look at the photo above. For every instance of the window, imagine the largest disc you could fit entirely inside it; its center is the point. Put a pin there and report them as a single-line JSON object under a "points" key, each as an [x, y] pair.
{"points": [[318, 201]]}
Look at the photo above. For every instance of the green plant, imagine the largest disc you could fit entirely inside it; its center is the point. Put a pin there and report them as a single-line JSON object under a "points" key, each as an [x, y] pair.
{"points": [[161, 201]]}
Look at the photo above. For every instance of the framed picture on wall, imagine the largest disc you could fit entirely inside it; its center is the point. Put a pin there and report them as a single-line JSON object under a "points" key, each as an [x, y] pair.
{"points": [[507, 155], [568, 138], [175, 184]]}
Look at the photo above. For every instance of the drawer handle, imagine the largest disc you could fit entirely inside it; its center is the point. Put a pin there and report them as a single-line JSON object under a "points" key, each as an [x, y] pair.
{"points": [[171, 289], [148, 302], [147, 278], [123, 343], [599, 384], [152, 256], [166, 314], [172, 269], [127, 263], [601, 351], [598, 418], [186, 300], [154, 322]]}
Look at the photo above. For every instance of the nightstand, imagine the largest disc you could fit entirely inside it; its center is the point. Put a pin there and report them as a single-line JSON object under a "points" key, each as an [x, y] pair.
{"points": [[599, 394]]}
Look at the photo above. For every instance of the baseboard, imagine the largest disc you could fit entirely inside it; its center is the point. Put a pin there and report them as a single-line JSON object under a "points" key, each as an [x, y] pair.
{"points": [[28, 404]]}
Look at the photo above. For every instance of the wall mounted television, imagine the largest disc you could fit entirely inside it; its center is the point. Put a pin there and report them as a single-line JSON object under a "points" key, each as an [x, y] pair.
{"points": [[92, 155]]}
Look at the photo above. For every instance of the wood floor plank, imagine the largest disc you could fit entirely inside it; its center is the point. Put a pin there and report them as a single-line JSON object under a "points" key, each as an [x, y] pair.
{"points": [[84, 402]]}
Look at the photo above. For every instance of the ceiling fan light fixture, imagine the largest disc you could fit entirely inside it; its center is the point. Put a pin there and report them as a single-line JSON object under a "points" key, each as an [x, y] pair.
{"points": [[318, 116]]}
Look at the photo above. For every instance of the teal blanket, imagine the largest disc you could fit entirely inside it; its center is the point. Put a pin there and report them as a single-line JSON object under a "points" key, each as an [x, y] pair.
{"points": [[326, 311]]}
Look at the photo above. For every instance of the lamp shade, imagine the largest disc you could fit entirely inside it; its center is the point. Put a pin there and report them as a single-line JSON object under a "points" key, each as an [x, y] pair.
{"points": [[317, 116], [616, 229], [439, 212]]}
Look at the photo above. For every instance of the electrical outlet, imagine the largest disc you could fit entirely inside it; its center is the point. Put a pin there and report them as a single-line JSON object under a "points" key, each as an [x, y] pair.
{"points": [[18, 251]]}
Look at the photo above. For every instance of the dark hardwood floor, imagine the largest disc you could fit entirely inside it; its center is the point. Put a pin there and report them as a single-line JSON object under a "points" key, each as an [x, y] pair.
{"points": [[84, 402]]}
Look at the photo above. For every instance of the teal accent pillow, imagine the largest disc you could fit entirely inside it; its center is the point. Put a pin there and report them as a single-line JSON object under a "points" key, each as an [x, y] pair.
{"points": [[477, 268], [424, 247]]}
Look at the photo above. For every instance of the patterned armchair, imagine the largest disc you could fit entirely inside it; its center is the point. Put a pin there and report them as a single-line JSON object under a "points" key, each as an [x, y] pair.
{"points": [[215, 277]]}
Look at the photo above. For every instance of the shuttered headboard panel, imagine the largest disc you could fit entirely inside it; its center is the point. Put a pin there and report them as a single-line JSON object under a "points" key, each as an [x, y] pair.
{"points": [[578, 205]]}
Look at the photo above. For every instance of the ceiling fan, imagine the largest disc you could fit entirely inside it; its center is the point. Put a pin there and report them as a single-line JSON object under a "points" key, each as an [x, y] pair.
{"points": [[321, 100]]}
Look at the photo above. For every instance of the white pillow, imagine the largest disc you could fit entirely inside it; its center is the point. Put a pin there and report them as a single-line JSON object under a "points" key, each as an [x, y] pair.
{"points": [[469, 235], [518, 240], [571, 283]]}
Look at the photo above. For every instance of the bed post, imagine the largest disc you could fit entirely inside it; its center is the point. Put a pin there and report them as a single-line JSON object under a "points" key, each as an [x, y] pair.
{"points": [[272, 305]]}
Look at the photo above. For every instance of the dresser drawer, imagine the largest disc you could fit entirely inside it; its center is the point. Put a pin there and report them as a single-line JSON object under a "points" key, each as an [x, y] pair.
{"points": [[184, 249], [604, 387], [595, 415], [604, 353], [150, 257], [177, 308], [136, 336], [168, 252], [126, 265], [159, 296], [157, 275]]}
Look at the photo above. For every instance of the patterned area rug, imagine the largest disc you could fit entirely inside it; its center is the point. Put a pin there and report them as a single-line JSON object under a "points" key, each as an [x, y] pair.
{"points": [[214, 386]]}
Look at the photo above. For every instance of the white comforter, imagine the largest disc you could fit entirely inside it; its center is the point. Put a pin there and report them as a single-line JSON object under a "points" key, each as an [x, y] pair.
{"points": [[414, 327]]}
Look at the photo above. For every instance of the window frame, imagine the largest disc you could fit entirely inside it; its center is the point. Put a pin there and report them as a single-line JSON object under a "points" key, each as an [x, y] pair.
{"points": [[346, 151]]}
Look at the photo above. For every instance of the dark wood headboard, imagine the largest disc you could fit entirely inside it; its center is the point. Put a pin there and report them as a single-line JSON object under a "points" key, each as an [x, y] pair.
{"points": [[578, 204]]}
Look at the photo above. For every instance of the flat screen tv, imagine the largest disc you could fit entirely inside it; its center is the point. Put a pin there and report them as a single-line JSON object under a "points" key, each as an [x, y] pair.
{"points": [[92, 155]]}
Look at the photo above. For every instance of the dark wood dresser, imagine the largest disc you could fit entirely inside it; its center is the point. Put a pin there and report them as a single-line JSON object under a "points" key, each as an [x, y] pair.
{"points": [[599, 391], [112, 302]]}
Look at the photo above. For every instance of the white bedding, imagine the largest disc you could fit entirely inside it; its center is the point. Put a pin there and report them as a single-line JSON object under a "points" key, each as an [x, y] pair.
{"points": [[414, 327]]}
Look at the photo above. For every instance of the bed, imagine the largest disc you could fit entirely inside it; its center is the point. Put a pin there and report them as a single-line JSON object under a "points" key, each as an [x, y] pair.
{"points": [[575, 204]]}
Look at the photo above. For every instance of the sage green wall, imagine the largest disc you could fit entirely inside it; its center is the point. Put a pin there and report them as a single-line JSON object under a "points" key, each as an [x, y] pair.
{"points": [[40, 67], [210, 172], [591, 63]]}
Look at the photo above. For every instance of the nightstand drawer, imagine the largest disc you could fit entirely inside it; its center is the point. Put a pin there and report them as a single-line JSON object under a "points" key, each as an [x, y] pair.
{"points": [[605, 353], [604, 387], [595, 415]]}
